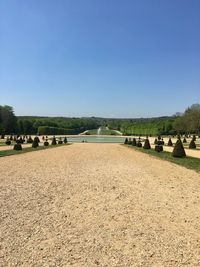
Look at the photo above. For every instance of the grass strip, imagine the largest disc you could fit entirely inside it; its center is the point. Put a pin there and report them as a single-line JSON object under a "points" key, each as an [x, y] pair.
{"points": [[5, 153], [187, 162]]}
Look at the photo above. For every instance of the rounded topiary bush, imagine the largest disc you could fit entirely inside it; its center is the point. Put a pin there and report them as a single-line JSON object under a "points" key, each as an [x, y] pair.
{"points": [[146, 144], [65, 140], [170, 142], [8, 142], [126, 141], [158, 148], [17, 146], [162, 142], [179, 151], [139, 144], [35, 143], [54, 141], [21, 140], [134, 143], [46, 143], [192, 144]]}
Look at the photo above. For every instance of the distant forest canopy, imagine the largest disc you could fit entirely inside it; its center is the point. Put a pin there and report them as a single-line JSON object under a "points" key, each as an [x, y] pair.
{"points": [[182, 123]]}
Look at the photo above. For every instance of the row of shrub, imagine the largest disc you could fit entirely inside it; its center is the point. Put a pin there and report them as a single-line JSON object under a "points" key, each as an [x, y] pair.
{"points": [[178, 150], [35, 142]]}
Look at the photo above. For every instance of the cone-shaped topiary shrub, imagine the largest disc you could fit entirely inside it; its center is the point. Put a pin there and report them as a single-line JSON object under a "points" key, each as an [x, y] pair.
{"points": [[54, 141], [158, 148], [8, 142], [170, 142], [194, 137], [17, 146], [60, 141], [192, 144], [179, 150], [65, 140], [146, 144], [134, 142], [11, 138], [155, 141], [2, 136], [184, 140], [21, 141], [126, 141], [159, 137], [37, 139], [35, 143], [30, 140], [139, 144]]}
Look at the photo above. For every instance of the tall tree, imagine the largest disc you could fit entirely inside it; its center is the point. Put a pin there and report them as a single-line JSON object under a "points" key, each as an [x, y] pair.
{"points": [[7, 120]]}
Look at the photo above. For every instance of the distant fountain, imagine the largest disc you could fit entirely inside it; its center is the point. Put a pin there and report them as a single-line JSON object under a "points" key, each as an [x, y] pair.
{"points": [[98, 131]]}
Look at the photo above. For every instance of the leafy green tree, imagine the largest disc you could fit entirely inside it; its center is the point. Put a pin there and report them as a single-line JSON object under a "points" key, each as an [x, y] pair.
{"points": [[8, 120]]}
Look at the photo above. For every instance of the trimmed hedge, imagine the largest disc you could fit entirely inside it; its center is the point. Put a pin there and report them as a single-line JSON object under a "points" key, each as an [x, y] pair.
{"points": [[46, 130], [147, 144], [179, 151], [170, 142], [192, 144], [54, 141]]}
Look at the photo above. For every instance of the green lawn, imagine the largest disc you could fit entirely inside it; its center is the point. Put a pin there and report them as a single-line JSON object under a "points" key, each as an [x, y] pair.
{"points": [[11, 152], [187, 162]]}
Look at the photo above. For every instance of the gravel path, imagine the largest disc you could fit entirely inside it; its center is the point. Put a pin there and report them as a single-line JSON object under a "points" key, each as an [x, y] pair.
{"points": [[89, 205]]}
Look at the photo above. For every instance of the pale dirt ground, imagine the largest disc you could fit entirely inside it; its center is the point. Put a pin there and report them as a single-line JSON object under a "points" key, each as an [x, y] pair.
{"points": [[89, 205]]}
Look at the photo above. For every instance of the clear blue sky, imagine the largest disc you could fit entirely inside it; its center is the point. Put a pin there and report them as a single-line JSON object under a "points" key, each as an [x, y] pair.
{"points": [[110, 58]]}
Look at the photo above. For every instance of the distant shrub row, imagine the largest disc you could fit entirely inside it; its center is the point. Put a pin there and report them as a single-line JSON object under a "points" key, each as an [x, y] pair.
{"points": [[178, 150], [36, 141]]}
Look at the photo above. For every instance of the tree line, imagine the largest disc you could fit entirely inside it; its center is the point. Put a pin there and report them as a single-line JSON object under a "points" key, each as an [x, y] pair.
{"points": [[181, 123], [186, 123]]}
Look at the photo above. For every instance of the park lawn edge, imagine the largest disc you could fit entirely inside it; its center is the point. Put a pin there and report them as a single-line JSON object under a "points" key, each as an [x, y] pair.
{"points": [[12, 152], [188, 162]]}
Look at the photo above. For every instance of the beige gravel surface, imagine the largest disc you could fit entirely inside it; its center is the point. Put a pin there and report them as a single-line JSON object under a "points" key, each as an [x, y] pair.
{"points": [[88, 205]]}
